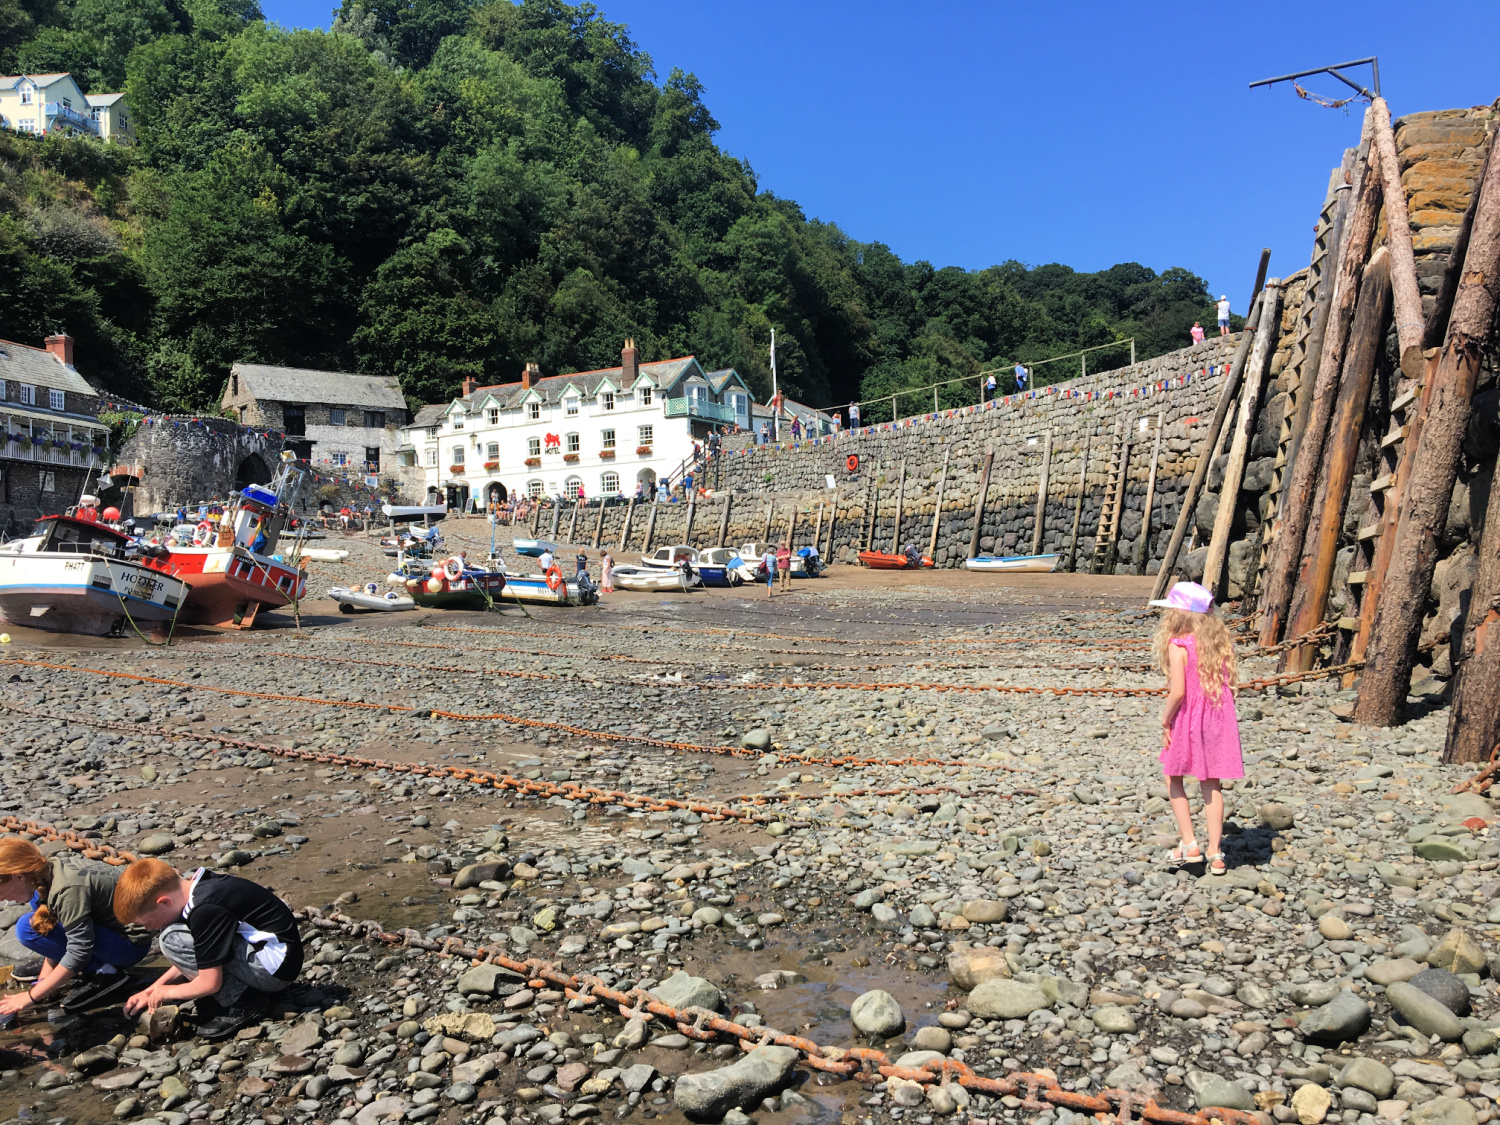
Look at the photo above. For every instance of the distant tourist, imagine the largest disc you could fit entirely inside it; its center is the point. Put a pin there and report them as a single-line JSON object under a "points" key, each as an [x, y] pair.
{"points": [[784, 563], [1197, 333], [990, 386], [769, 562], [796, 428], [606, 573], [854, 415], [1223, 315], [640, 490], [1022, 376], [545, 561], [583, 565]]}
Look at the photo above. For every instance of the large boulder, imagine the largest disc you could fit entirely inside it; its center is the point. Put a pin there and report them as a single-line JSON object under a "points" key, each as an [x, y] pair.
{"points": [[710, 1094], [1001, 999], [683, 991], [876, 1013], [1344, 1018], [970, 967]]}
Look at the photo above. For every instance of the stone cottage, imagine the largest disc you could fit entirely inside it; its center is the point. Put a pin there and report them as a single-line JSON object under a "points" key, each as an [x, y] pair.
{"points": [[333, 418]]}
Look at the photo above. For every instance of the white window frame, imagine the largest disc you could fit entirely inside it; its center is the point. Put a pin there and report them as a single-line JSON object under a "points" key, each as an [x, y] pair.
{"points": [[533, 447], [3, 393], [57, 400], [341, 458], [607, 400], [458, 420], [571, 487], [534, 411], [432, 458], [27, 93], [535, 490], [609, 484], [570, 407], [606, 439], [338, 416], [458, 455], [48, 481], [28, 394], [494, 415], [492, 451], [646, 395], [644, 435], [572, 443]]}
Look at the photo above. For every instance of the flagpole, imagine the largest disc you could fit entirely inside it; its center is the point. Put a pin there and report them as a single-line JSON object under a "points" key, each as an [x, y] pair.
{"points": [[775, 403]]}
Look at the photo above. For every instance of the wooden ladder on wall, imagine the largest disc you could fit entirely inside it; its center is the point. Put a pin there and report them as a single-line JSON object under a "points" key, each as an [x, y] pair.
{"points": [[1375, 540], [1107, 537], [1319, 275]]}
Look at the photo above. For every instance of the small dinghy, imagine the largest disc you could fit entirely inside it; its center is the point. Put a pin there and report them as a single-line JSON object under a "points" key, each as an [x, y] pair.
{"points": [[394, 512], [1033, 564], [548, 589], [325, 554], [533, 548], [653, 579], [884, 560], [370, 599], [720, 566]]}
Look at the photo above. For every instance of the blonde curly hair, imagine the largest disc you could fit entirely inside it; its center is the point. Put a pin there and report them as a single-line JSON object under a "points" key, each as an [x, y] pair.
{"points": [[1216, 663]]}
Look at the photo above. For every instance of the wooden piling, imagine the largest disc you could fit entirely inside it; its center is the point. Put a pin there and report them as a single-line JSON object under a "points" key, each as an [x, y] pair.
{"points": [[937, 509], [573, 522], [687, 531], [1143, 552], [650, 530], [1041, 495], [599, 524], [1083, 484], [818, 527], [984, 487], [1405, 296], [724, 521], [625, 530], [556, 520], [900, 500]]}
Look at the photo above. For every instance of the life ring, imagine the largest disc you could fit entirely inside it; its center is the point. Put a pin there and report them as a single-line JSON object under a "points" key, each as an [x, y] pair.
{"points": [[852, 462], [453, 569], [554, 579], [201, 534]]}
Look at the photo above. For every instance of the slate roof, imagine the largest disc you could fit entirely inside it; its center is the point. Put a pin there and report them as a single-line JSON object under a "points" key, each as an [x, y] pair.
{"points": [[665, 373], [333, 388], [430, 415], [102, 99], [38, 366], [11, 80]]}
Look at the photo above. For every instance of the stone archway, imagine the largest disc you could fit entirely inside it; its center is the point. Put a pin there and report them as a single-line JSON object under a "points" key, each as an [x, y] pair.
{"points": [[252, 470], [495, 493]]}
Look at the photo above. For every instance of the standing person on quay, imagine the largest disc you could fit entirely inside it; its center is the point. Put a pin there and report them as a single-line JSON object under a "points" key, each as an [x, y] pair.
{"points": [[1223, 314], [606, 574], [1197, 333], [769, 562], [72, 925], [1200, 729], [784, 564]]}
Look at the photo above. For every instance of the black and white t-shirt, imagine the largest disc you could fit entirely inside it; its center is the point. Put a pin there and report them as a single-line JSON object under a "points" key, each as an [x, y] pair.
{"points": [[223, 907]]}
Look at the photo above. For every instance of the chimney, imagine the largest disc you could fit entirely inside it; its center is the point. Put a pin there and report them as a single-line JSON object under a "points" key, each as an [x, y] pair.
{"points": [[529, 376], [470, 386], [630, 367], [60, 345]]}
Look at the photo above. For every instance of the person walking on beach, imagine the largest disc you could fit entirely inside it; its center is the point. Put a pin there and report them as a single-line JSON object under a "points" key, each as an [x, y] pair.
{"points": [[606, 574], [784, 564], [769, 562], [1199, 727]]}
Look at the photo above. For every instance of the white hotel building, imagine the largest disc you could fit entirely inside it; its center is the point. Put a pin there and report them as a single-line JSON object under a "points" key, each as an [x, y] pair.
{"points": [[595, 433]]}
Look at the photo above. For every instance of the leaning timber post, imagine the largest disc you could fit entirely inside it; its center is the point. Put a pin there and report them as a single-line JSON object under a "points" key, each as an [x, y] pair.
{"points": [[770, 514], [724, 520], [1294, 503], [833, 517], [1405, 296], [818, 528], [1429, 489], [536, 518], [650, 530], [687, 531], [1239, 448], [1474, 720], [556, 520], [984, 487], [599, 524], [1041, 495], [1143, 552], [1210, 442], [625, 530], [1083, 482], [900, 502], [1315, 573], [872, 495], [573, 523], [937, 509]]}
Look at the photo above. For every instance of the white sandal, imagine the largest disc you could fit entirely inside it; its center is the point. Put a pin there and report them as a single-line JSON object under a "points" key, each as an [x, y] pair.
{"points": [[1182, 853]]}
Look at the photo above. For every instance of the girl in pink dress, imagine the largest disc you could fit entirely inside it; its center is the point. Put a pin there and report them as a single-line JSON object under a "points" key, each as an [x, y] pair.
{"points": [[1200, 730]]}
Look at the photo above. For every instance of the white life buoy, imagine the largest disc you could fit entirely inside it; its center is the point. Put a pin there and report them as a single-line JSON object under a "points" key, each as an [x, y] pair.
{"points": [[454, 568], [203, 534]]}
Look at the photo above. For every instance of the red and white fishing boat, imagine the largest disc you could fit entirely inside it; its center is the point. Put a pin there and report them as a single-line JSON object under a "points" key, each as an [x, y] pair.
{"points": [[230, 566]]}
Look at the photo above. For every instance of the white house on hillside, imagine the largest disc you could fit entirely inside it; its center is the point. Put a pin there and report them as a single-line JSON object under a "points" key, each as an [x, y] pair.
{"points": [[44, 103], [595, 433]]}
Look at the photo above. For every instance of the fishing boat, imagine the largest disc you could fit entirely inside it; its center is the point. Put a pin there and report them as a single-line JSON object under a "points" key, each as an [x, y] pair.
{"points": [[653, 579], [74, 576], [721, 566], [538, 590], [369, 598], [533, 548], [884, 560], [670, 558], [229, 562], [394, 512], [1031, 564], [325, 554], [456, 584]]}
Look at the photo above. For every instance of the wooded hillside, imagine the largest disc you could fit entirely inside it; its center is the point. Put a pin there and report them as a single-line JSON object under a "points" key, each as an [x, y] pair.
{"points": [[438, 189]]}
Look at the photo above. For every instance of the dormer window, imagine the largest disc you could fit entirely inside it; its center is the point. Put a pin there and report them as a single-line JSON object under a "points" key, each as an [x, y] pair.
{"points": [[534, 411], [56, 400], [458, 420], [494, 416], [607, 400], [646, 395], [570, 406]]}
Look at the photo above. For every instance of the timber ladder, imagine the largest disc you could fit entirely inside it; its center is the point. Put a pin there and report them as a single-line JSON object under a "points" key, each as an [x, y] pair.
{"points": [[1302, 360], [1107, 538]]}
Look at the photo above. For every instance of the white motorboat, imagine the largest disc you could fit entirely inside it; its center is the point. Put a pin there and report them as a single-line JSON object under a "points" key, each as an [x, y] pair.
{"points": [[369, 598], [669, 558], [324, 554], [533, 548], [536, 589], [74, 577], [1028, 564], [722, 566], [395, 512], [653, 579]]}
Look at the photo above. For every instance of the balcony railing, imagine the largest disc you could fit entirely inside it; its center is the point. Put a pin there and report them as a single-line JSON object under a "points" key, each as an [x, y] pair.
{"points": [[72, 116], [700, 408]]}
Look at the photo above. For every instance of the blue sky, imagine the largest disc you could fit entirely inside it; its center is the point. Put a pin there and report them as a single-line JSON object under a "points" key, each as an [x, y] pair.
{"points": [[1083, 133]]}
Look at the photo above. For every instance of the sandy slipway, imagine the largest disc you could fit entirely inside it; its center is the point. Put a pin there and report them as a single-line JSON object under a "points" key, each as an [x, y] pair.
{"points": [[1000, 896]]}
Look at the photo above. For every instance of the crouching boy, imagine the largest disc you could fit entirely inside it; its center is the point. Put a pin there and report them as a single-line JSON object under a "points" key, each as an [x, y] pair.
{"points": [[231, 942]]}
